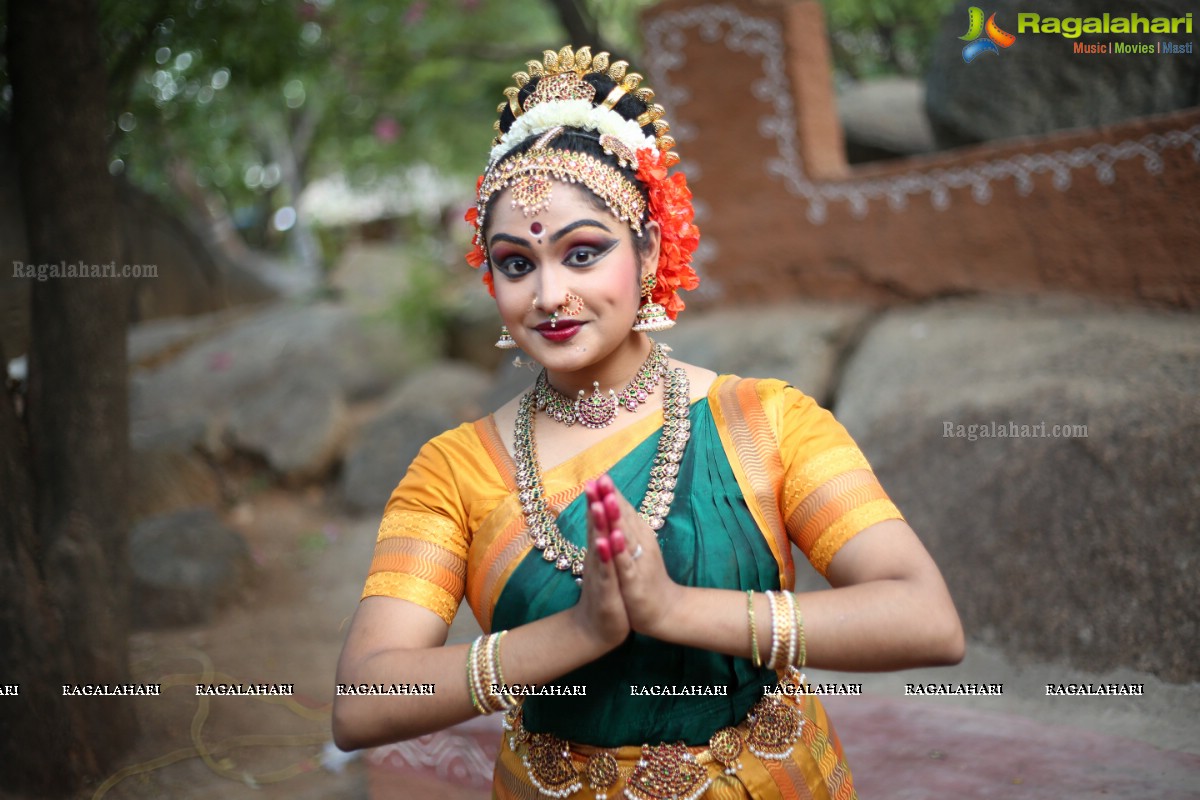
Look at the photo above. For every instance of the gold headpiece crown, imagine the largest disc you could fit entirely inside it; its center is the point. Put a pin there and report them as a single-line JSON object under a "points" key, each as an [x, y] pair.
{"points": [[568, 62], [531, 175]]}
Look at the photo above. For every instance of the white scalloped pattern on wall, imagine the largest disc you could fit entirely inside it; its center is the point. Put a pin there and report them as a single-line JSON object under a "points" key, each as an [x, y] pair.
{"points": [[667, 34]]}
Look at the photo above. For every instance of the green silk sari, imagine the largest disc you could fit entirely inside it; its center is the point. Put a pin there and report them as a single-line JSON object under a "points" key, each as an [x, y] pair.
{"points": [[709, 540]]}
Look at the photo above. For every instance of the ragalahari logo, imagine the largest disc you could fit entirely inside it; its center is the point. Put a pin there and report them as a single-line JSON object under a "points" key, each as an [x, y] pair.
{"points": [[995, 38]]}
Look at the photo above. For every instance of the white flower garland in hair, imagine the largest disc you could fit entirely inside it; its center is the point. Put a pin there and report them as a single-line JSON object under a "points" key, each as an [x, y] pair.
{"points": [[573, 114]]}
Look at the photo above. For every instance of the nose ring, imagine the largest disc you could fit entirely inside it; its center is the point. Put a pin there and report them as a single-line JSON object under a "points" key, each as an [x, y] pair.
{"points": [[573, 304]]}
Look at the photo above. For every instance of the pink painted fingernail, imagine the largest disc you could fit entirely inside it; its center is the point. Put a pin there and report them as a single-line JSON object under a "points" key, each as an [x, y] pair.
{"points": [[599, 517], [603, 550], [618, 542], [610, 505]]}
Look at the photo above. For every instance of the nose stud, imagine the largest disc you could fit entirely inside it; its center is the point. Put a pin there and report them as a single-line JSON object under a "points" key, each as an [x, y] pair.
{"points": [[573, 305]]}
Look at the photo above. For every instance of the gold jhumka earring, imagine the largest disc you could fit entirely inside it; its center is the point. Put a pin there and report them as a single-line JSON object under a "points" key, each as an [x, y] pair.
{"points": [[651, 316], [506, 341]]}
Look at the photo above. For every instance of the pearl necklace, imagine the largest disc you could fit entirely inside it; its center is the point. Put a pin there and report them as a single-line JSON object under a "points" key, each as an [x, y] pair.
{"points": [[660, 492]]}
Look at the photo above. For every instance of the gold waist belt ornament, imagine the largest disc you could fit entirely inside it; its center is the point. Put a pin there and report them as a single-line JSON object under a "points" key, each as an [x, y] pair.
{"points": [[558, 768]]}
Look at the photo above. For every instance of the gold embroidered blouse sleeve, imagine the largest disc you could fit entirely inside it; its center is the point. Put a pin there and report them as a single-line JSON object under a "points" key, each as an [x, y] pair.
{"points": [[421, 550], [829, 491]]}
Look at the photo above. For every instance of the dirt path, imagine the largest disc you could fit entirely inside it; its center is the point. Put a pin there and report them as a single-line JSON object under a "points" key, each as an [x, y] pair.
{"points": [[287, 629]]}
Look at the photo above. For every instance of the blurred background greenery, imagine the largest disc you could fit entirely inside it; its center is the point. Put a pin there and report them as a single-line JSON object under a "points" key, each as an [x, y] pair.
{"points": [[235, 107]]}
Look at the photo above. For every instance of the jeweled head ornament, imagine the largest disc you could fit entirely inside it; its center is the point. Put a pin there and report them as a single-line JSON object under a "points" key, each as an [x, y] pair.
{"points": [[530, 175], [566, 99], [561, 100]]}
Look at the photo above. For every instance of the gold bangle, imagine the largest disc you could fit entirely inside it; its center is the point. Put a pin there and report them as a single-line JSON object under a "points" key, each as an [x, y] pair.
{"points": [[482, 674], [781, 630], [471, 659], [793, 647], [803, 657], [494, 673], [487, 674], [774, 630], [753, 629], [504, 698]]}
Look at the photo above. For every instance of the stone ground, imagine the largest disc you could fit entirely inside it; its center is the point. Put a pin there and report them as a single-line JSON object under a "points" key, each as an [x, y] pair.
{"points": [[289, 628], [286, 629]]}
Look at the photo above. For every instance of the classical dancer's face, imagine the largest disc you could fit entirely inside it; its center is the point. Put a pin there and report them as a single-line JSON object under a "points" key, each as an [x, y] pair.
{"points": [[572, 257]]}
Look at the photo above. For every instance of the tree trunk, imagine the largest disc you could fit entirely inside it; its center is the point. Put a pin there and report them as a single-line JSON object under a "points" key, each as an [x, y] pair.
{"points": [[581, 27], [64, 606]]}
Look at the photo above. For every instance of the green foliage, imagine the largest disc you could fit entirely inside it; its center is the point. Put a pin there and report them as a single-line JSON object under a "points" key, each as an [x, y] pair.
{"points": [[617, 21], [212, 99], [883, 37], [422, 311], [215, 96]]}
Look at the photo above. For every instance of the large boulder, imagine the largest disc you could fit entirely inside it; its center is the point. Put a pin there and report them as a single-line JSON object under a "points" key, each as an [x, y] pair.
{"points": [[297, 422], [431, 401], [1040, 85], [272, 384], [473, 326], [799, 343], [186, 566], [1079, 542], [153, 343], [884, 118], [162, 481]]}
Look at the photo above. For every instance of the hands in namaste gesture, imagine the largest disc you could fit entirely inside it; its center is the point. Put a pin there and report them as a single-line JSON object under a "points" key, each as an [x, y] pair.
{"points": [[626, 585]]}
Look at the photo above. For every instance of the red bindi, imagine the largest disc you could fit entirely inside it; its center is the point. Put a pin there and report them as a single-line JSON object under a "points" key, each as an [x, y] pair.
{"points": [[536, 229]]}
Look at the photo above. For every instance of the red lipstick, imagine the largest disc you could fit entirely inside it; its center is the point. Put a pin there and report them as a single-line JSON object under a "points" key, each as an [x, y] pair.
{"points": [[561, 332]]}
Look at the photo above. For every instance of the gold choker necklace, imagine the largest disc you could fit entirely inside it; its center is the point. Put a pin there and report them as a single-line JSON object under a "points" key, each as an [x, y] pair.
{"points": [[599, 411]]}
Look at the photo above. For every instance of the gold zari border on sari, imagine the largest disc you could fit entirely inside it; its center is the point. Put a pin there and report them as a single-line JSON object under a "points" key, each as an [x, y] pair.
{"points": [[797, 759], [419, 557], [746, 432], [796, 463]]}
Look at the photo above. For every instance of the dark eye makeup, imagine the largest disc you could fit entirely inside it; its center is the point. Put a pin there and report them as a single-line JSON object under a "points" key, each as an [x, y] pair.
{"points": [[513, 265], [583, 253], [586, 254]]}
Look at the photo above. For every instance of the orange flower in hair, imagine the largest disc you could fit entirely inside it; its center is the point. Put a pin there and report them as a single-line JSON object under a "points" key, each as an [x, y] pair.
{"points": [[671, 208], [477, 257]]}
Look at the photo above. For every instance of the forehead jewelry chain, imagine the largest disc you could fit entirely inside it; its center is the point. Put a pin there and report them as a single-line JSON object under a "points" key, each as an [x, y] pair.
{"points": [[599, 410], [660, 491]]}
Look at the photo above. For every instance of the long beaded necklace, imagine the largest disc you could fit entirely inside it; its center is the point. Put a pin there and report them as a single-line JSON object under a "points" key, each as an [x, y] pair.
{"points": [[660, 491], [598, 411]]}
